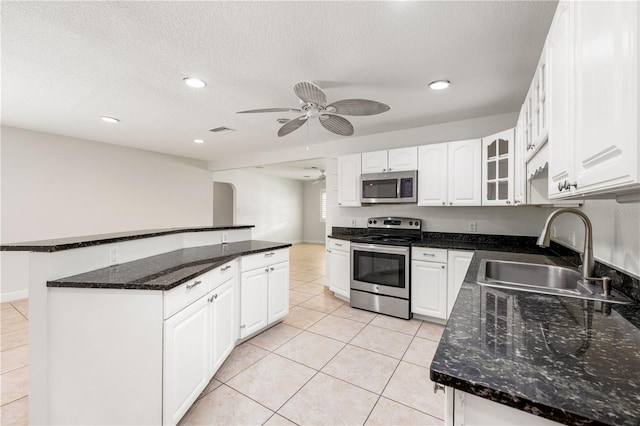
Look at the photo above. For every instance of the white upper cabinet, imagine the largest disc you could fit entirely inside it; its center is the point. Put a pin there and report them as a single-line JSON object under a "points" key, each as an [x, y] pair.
{"points": [[349, 170], [433, 174], [449, 174], [465, 160], [498, 168], [519, 164], [537, 111], [560, 66], [606, 95], [393, 160], [592, 51]]}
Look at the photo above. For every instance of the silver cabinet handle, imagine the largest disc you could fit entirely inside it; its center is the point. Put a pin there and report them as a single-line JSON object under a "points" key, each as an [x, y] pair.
{"points": [[269, 254], [508, 202], [338, 245], [450, 203], [429, 254], [212, 298], [328, 251], [442, 266], [384, 170], [271, 269], [225, 268], [444, 204], [190, 286], [266, 269], [243, 326]]}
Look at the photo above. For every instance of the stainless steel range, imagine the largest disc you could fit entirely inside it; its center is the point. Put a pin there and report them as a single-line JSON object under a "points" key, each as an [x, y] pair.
{"points": [[381, 266]]}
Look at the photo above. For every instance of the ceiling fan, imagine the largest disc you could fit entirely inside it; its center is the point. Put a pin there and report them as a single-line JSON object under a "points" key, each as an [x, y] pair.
{"points": [[320, 178], [313, 103]]}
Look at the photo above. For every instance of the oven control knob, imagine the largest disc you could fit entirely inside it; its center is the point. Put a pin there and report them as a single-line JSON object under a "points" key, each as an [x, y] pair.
{"points": [[375, 221], [370, 222], [417, 223], [411, 223]]}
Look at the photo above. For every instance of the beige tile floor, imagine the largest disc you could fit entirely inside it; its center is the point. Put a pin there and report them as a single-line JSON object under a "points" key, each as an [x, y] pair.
{"points": [[326, 364]]}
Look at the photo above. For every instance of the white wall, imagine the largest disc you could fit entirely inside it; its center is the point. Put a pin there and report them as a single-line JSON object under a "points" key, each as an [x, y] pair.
{"points": [[55, 186], [223, 203], [273, 204], [314, 226], [616, 232]]}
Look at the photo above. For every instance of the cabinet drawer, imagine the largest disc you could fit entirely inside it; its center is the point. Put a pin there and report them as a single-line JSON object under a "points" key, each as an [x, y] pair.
{"points": [[335, 244], [429, 254], [185, 294], [221, 274], [263, 259]]}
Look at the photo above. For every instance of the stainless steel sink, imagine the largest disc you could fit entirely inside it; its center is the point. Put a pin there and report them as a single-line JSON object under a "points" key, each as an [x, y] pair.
{"points": [[539, 278]]}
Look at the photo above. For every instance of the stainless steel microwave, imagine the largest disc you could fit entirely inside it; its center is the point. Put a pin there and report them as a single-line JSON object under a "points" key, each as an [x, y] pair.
{"points": [[392, 187]]}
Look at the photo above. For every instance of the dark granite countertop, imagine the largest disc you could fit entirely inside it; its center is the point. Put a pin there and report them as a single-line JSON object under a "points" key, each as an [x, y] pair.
{"points": [[59, 244], [562, 358], [168, 270]]}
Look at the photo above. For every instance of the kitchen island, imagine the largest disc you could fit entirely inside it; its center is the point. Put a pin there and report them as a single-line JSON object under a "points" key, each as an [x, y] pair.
{"points": [[113, 317], [561, 358]]}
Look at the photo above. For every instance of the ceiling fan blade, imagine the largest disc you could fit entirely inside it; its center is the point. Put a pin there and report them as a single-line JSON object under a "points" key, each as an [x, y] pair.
{"points": [[336, 124], [292, 125], [358, 107], [251, 111], [309, 92]]}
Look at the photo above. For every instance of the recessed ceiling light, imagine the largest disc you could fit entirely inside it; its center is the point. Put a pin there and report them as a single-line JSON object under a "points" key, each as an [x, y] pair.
{"points": [[194, 82], [109, 119], [439, 84], [198, 140]]}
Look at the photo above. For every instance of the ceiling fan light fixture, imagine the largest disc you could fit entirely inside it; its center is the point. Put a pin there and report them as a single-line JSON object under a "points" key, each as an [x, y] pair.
{"points": [[194, 82], [110, 119], [439, 84]]}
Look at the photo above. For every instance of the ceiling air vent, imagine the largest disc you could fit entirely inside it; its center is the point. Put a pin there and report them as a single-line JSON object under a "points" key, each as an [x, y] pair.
{"points": [[221, 130]]}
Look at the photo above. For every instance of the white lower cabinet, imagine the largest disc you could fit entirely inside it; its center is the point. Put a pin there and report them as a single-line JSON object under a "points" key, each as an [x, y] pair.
{"points": [[339, 254], [436, 278], [223, 334], [465, 409], [429, 288], [458, 262], [186, 359], [264, 290]]}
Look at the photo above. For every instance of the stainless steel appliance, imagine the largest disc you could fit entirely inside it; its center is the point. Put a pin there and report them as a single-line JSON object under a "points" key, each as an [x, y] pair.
{"points": [[392, 187], [381, 266]]}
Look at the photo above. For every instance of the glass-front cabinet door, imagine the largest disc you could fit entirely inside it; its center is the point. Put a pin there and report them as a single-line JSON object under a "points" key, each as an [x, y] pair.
{"points": [[498, 169]]}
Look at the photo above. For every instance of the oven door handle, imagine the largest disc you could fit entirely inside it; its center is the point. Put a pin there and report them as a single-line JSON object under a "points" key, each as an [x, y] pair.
{"points": [[380, 248]]}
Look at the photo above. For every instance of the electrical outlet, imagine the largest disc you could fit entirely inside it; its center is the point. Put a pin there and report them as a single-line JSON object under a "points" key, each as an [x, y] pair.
{"points": [[572, 238], [553, 232], [225, 238], [473, 226], [113, 256]]}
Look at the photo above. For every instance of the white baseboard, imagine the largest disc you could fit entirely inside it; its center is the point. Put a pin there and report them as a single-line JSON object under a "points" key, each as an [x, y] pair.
{"points": [[313, 241], [14, 295]]}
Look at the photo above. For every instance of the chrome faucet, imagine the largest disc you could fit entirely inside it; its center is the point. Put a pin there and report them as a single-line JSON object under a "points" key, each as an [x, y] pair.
{"points": [[588, 263]]}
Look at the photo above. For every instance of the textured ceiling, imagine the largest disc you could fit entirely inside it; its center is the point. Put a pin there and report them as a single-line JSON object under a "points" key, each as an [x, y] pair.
{"points": [[64, 64]]}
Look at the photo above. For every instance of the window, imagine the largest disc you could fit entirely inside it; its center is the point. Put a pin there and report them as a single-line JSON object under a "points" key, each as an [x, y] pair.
{"points": [[323, 206]]}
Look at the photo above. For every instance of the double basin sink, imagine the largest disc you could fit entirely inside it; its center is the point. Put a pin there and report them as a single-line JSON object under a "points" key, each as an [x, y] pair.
{"points": [[540, 278]]}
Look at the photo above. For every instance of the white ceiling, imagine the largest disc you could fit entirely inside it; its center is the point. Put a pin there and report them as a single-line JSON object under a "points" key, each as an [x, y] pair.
{"points": [[64, 64]]}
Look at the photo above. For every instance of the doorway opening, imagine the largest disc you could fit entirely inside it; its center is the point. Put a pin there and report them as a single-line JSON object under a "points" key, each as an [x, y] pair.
{"points": [[224, 196]]}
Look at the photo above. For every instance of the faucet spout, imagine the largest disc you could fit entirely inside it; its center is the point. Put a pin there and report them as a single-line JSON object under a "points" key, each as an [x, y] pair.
{"points": [[544, 240]]}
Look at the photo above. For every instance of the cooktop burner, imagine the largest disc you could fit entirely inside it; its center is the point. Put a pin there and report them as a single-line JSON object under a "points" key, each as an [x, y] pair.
{"points": [[392, 231]]}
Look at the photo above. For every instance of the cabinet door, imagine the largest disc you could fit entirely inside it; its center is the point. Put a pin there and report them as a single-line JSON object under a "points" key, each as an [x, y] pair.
{"points": [[253, 296], [374, 162], [465, 161], [433, 174], [349, 180], [560, 50], [403, 159], [186, 359], [429, 289], [340, 272], [606, 96], [222, 308], [278, 305], [497, 169], [458, 262], [519, 165]]}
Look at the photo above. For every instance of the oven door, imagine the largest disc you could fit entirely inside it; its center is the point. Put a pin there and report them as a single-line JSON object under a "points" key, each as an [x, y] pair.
{"points": [[380, 269]]}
